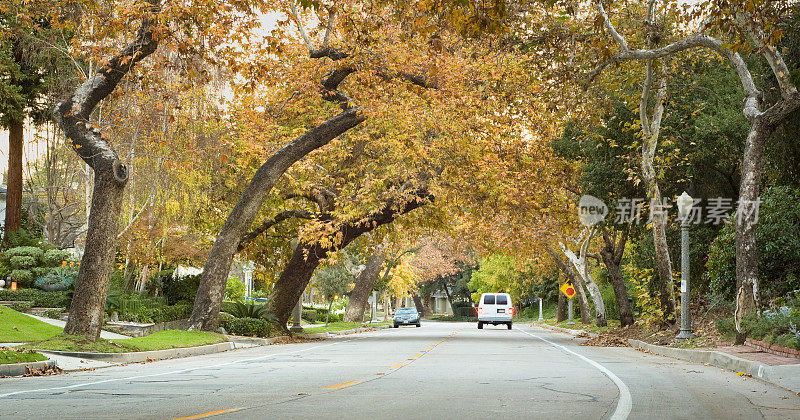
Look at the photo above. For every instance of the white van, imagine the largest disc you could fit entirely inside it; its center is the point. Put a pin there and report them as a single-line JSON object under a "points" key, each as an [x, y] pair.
{"points": [[495, 308]]}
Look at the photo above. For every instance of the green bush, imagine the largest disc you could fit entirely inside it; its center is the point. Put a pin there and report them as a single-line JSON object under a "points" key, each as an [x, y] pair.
{"points": [[54, 313], [726, 327], [234, 289], [182, 289], [38, 298], [469, 311], [41, 271], [171, 313], [21, 306], [250, 310], [22, 261], [309, 315], [251, 327], [780, 327], [25, 251], [55, 257], [225, 319], [24, 278], [58, 279]]}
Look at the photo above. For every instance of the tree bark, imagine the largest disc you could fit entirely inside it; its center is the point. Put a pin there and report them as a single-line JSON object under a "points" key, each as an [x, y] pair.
{"points": [[612, 257], [307, 257], [359, 297], [110, 177], [566, 268], [419, 305], [13, 220]]}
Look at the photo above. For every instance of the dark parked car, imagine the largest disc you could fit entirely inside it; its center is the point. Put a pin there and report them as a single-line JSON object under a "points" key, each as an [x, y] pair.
{"points": [[406, 316]]}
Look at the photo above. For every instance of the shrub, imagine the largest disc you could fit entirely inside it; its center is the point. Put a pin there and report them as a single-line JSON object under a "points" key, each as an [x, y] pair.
{"points": [[22, 261], [58, 279], [24, 278], [234, 289], [726, 327], [469, 311], [54, 257], [181, 289], [249, 310], [781, 327], [25, 251], [21, 306], [309, 315], [38, 298], [171, 313], [54, 313], [253, 327], [225, 319]]}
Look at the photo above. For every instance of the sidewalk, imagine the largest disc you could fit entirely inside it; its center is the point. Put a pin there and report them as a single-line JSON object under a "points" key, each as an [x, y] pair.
{"points": [[751, 353], [60, 323]]}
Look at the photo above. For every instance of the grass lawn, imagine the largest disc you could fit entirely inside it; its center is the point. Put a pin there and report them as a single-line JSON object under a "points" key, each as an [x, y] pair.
{"points": [[17, 327], [169, 339], [12, 356], [339, 326]]}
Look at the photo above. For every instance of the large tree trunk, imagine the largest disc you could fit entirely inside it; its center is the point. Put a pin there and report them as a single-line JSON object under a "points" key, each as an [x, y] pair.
{"points": [[14, 182], [577, 281], [419, 305], [110, 177], [363, 287], [215, 272], [295, 277], [91, 287], [585, 279], [747, 295], [612, 254]]}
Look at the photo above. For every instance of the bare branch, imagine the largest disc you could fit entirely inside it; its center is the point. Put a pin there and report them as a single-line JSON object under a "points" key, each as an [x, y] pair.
{"points": [[610, 27], [300, 27]]}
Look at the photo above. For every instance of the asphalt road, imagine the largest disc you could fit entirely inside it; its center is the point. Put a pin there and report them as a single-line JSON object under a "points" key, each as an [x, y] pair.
{"points": [[442, 370]]}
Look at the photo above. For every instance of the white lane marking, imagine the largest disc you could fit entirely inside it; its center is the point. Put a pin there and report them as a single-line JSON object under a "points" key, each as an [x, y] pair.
{"points": [[624, 404], [130, 378]]}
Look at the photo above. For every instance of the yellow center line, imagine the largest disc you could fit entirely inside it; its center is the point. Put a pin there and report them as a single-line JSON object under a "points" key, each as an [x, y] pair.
{"points": [[418, 355], [429, 348], [343, 385], [398, 365], [208, 414]]}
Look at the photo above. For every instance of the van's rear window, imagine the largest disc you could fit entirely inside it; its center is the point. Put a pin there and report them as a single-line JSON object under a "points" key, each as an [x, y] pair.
{"points": [[488, 299], [501, 300]]}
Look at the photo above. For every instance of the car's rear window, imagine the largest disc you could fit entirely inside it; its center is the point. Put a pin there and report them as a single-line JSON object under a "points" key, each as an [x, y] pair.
{"points": [[502, 300], [488, 299], [406, 311]]}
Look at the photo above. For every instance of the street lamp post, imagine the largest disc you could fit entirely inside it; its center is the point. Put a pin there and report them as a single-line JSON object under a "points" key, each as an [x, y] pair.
{"points": [[541, 319], [569, 311], [685, 203], [297, 313]]}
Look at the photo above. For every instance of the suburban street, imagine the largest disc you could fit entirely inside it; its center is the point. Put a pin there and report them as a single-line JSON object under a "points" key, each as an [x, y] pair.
{"points": [[442, 370]]}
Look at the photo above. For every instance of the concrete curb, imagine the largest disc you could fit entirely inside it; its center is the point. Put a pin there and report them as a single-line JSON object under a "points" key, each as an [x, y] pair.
{"points": [[564, 330], [19, 369], [142, 356], [785, 376]]}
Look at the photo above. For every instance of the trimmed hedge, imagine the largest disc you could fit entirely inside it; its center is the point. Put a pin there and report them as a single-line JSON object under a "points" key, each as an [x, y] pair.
{"points": [[39, 298], [251, 327], [171, 313]]}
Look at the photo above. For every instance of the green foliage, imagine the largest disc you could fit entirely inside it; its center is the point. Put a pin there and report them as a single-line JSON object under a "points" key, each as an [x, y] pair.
{"points": [[22, 261], [24, 278], [650, 311], [58, 279], [250, 310], [497, 274], [309, 315], [171, 313], [55, 257], [38, 298], [21, 305], [225, 318], [333, 281], [54, 313], [610, 301], [251, 327], [726, 327], [778, 241], [234, 289], [25, 251], [182, 289], [780, 327], [23, 238]]}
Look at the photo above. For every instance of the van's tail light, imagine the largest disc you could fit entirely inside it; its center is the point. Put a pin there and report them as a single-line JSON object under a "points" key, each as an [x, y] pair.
{"points": [[480, 310], [511, 311]]}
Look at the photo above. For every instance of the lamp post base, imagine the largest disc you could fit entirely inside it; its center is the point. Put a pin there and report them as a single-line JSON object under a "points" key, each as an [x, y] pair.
{"points": [[684, 335], [296, 329]]}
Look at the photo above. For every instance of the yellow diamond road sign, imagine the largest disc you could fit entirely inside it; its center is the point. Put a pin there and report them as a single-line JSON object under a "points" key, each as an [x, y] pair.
{"points": [[568, 289]]}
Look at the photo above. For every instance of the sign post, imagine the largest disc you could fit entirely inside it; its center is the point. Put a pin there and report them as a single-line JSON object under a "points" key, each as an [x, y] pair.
{"points": [[541, 319], [569, 291]]}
